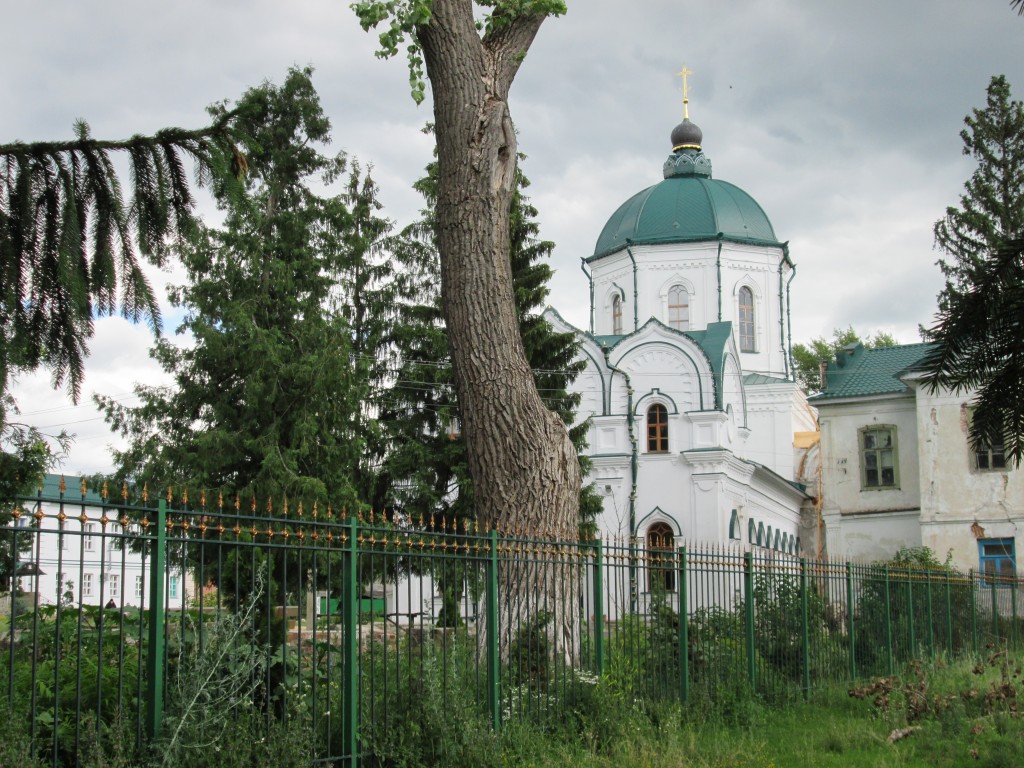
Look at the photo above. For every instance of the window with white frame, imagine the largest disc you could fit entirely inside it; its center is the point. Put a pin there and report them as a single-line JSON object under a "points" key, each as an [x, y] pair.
{"points": [[173, 587], [115, 538], [617, 315], [88, 542], [87, 585], [114, 584], [878, 465], [748, 341], [138, 586], [678, 308], [988, 456]]}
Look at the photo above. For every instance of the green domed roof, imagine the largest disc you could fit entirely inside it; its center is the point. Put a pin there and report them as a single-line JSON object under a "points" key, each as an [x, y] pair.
{"points": [[686, 209], [688, 206]]}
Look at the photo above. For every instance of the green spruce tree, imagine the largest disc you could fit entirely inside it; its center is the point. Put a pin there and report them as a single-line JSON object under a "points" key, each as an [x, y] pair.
{"points": [[977, 336], [266, 400], [990, 210]]}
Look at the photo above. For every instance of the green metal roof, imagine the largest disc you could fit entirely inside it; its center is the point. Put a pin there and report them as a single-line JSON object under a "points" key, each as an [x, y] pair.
{"points": [[686, 209], [72, 489], [608, 339], [713, 341], [860, 372], [753, 379]]}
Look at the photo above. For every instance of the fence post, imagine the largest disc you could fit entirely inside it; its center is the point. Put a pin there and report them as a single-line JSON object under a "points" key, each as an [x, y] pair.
{"points": [[748, 599], [995, 609], [849, 620], [930, 614], [684, 629], [350, 648], [949, 619], [599, 606], [1013, 603], [493, 691], [891, 667], [974, 610], [155, 657], [910, 614], [805, 627]]}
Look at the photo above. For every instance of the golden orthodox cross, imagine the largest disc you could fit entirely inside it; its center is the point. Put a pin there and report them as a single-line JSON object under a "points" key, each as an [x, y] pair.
{"points": [[684, 73]]}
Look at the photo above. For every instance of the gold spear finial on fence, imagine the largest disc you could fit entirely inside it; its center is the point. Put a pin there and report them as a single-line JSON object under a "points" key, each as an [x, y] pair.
{"points": [[184, 496]]}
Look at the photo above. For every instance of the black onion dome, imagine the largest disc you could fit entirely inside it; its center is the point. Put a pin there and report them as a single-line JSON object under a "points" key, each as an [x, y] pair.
{"points": [[686, 135]]}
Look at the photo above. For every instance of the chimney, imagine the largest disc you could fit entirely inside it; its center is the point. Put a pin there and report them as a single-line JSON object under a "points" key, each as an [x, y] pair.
{"points": [[823, 374]]}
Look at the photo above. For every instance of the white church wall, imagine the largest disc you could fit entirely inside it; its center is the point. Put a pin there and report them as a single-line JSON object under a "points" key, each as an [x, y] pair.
{"points": [[758, 269], [663, 486], [776, 412], [675, 372], [707, 430]]}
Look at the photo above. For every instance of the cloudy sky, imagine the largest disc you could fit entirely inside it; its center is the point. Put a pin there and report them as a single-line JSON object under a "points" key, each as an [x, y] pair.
{"points": [[840, 118]]}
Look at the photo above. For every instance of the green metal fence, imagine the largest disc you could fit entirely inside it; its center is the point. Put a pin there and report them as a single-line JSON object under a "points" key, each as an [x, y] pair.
{"points": [[355, 625]]}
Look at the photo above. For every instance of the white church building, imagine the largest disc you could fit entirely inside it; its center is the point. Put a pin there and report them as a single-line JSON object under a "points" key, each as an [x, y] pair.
{"points": [[694, 412]]}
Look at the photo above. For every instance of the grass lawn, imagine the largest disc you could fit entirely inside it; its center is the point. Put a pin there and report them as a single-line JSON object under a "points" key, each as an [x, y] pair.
{"points": [[962, 715]]}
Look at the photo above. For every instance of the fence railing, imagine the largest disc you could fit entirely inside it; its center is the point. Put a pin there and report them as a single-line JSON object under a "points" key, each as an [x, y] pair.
{"points": [[355, 625]]}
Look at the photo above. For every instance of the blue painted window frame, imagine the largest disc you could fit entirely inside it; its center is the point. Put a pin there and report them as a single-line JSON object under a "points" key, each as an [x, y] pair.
{"points": [[993, 557]]}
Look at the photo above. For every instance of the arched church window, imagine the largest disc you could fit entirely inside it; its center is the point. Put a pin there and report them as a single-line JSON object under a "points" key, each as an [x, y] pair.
{"points": [[678, 308], [747, 320], [657, 429], [661, 573], [617, 315]]}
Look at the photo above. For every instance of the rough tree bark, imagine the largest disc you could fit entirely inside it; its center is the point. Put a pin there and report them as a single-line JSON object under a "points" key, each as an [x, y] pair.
{"points": [[525, 471]]}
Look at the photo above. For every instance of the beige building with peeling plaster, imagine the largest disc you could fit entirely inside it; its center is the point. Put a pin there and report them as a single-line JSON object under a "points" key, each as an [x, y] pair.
{"points": [[898, 469]]}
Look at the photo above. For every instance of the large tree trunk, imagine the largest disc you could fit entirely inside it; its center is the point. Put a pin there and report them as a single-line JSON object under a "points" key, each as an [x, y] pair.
{"points": [[525, 471]]}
